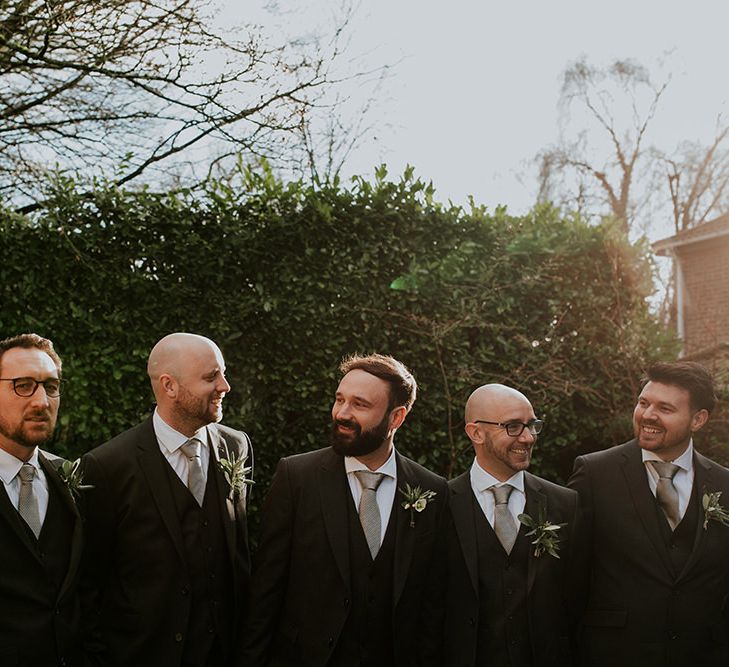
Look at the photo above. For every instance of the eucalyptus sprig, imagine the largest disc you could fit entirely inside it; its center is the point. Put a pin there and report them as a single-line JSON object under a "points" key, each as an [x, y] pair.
{"points": [[545, 533], [416, 500], [72, 477], [713, 510], [235, 471]]}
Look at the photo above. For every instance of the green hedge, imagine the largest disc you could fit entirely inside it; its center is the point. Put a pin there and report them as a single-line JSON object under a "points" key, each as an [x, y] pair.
{"points": [[289, 278]]}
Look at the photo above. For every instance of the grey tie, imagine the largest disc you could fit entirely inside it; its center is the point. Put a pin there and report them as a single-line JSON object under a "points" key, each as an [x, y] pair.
{"points": [[504, 524], [195, 474], [369, 511], [28, 503], [666, 493]]}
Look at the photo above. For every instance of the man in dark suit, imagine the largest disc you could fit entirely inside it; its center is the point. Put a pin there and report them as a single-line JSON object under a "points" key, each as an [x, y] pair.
{"points": [[342, 564], [508, 600], [659, 561], [40, 527], [166, 568]]}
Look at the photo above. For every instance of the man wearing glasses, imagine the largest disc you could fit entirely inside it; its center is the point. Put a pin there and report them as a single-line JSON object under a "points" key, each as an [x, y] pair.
{"points": [[40, 528], [506, 592]]}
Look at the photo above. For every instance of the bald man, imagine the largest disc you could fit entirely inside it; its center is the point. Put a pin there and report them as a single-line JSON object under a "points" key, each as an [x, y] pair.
{"points": [[167, 567], [508, 600]]}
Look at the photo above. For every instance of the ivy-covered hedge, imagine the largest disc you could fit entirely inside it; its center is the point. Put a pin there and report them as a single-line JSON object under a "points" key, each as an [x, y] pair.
{"points": [[288, 279]]}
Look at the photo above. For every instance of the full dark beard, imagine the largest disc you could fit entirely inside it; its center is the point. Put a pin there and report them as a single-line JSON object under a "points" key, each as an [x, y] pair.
{"points": [[363, 442]]}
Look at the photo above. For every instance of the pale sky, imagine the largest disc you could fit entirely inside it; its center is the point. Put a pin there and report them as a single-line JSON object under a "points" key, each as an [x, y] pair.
{"points": [[472, 95]]}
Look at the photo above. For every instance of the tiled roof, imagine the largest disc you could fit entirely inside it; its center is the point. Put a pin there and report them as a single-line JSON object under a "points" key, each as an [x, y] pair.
{"points": [[703, 232]]}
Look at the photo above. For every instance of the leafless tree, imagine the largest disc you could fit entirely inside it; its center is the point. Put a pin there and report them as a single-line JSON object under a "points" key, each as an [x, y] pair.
{"points": [[129, 88], [605, 115]]}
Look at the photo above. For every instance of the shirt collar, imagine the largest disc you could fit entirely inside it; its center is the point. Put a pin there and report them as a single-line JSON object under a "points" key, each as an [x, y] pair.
{"points": [[171, 439], [388, 468], [482, 480], [685, 461], [10, 466]]}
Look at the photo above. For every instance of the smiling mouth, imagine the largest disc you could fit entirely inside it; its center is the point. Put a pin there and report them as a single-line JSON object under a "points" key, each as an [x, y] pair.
{"points": [[521, 451], [650, 430]]}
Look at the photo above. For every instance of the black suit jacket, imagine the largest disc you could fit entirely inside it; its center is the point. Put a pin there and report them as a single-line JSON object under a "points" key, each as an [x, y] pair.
{"points": [[550, 581], [301, 586], [37, 621], [639, 612], [135, 579]]}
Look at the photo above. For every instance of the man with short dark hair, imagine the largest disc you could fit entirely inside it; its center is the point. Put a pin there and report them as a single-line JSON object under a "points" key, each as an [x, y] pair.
{"points": [[40, 527], [509, 601], [349, 538], [166, 569], [659, 559]]}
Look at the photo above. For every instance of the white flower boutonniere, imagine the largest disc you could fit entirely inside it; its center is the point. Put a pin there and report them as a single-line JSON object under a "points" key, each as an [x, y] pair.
{"points": [[72, 477], [713, 509], [545, 533], [234, 470], [416, 500]]}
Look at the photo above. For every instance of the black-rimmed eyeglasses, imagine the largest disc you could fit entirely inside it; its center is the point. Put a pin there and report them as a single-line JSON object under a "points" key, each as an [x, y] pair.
{"points": [[514, 429], [26, 387]]}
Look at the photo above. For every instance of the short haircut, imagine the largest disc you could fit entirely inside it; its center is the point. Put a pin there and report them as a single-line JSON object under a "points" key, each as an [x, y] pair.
{"points": [[688, 375], [403, 387], [30, 341]]}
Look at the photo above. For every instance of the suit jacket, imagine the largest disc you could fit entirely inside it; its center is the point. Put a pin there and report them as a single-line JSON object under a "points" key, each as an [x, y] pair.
{"points": [[136, 581], [301, 587], [639, 611], [550, 580], [39, 624]]}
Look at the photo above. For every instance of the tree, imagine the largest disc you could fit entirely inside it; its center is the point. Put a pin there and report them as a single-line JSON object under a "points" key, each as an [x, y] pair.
{"points": [[129, 87], [605, 147]]}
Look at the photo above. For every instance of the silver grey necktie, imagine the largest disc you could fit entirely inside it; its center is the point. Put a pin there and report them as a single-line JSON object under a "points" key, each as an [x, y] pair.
{"points": [[28, 503], [504, 525], [195, 474], [666, 493], [369, 511]]}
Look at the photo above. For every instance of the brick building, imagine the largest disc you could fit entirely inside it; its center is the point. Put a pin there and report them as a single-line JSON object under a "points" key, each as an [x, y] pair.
{"points": [[701, 261]]}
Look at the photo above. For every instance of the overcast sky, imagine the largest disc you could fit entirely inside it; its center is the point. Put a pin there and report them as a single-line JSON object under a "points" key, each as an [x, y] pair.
{"points": [[472, 96]]}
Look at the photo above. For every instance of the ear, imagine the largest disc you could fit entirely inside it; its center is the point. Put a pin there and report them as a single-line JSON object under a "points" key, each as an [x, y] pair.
{"points": [[397, 417], [699, 419], [168, 385], [474, 435]]}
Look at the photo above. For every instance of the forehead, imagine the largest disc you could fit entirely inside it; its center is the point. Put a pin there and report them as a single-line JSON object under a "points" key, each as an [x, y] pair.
{"points": [[27, 362], [658, 392], [364, 385], [510, 406], [205, 359]]}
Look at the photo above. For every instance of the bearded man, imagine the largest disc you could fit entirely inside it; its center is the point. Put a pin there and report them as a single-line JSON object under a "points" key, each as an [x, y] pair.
{"points": [[166, 565], [659, 549], [343, 565]]}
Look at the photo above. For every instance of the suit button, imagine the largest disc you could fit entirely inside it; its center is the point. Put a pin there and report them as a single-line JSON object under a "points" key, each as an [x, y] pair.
{"points": [[471, 621], [346, 602], [673, 636], [205, 523], [57, 611], [331, 642], [509, 591], [184, 590], [178, 637]]}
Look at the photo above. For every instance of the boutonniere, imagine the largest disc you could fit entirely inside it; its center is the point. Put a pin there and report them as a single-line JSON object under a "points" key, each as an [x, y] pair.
{"points": [[416, 500], [713, 509], [234, 470], [545, 533], [72, 477]]}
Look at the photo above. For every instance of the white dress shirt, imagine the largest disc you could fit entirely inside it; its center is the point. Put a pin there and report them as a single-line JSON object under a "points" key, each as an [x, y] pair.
{"points": [[683, 480], [170, 441], [385, 491], [9, 469], [482, 481]]}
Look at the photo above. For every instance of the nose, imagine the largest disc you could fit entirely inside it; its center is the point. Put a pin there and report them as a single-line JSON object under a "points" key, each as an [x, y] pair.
{"points": [[341, 410], [527, 436], [40, 398], [223, 386]]}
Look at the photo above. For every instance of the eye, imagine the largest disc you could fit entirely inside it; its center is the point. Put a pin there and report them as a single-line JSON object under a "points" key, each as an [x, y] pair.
{"points": [[25, 384]]}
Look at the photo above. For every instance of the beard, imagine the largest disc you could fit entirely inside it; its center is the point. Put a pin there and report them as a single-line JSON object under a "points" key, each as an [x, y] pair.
{"points": [[26, 437], [198, 408], [361, 442]]}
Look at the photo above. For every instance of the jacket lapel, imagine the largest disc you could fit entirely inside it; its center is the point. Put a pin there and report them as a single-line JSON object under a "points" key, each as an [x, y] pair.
{"points": [[644, 501], [151, 463], [61, 491], [536, 506], [703, 482], [334, 494], [219, 447], [461, 505]]}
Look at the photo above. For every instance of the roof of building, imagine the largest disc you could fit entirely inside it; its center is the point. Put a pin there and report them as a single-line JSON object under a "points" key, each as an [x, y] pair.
{"points": [[703, 232]]}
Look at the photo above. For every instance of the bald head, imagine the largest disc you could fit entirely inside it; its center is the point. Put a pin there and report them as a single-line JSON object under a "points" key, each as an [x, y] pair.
{"points": [[187, 373], [491, 398]]}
